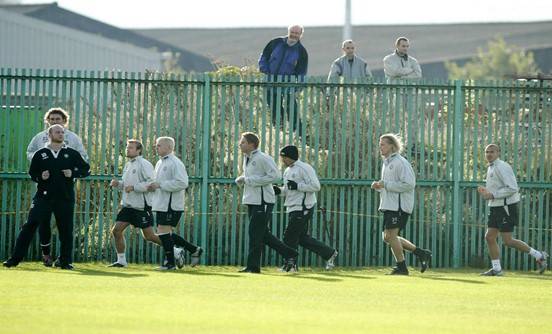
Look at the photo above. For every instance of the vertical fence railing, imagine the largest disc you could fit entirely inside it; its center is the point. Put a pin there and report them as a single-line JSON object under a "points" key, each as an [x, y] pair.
{"points": [[336, 125]]}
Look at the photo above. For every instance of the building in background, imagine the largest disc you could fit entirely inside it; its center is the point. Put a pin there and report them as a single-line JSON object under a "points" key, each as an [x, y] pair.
{"points": [[50, 37]]}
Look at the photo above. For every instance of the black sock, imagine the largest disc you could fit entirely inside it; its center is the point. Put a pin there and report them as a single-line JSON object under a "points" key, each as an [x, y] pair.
{"points": [[418, 252], [45, 249], [168, 245], [181, 242]]}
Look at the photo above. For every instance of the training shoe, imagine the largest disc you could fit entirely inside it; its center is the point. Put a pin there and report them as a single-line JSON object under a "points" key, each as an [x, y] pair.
{"points": [[179, 257], [330, 264], [10, 263], [195, 257], [542, 264], [291, 265], [65, 266], [399, 271], [492, 272], [118, 265], [425, 259], [47, 260], [250, 271], [166, 267]]}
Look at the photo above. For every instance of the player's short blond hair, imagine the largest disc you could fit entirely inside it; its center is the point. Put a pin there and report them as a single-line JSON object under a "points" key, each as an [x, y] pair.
{"points": [[168, 140], [394, 140]]}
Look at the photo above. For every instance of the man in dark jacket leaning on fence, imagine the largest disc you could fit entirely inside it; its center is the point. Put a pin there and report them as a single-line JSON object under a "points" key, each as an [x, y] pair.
{"points": [[54, 168], [287, 57]]}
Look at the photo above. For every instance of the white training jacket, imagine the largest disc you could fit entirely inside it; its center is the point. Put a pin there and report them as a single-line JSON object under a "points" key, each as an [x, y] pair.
{"points": [[395, 67], [399, 182], [138, 172], [307, 186], [41, 140], [501, 182], [172, 177], [260, 172]]}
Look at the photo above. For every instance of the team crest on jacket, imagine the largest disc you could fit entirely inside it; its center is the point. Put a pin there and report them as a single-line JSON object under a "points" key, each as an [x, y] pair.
{"points": [[254, 163], [391, 167], [66, 156], [134, 171], [44, 156]]}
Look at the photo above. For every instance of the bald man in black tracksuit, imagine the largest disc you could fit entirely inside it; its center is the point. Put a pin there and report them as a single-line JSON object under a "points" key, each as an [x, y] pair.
{"points": [[54, 168]]}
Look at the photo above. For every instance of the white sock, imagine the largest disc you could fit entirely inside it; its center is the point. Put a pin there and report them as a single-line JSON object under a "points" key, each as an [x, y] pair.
{"points": [[121, 258], [496, 265], [535, 253]]}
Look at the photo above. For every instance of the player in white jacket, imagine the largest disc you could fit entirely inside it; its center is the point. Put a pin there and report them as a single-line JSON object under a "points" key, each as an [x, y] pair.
{"points": [[300, 187], [259, 173], [171, 181], [396, 188], [502, 192], [51, 117], [136, 203]]}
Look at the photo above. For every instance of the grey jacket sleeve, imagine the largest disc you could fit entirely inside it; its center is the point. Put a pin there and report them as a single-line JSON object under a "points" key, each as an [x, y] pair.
{"points": [[180, 181], [34, 146], [147, 177], [506, 175], [407, 180], [310, 182], [393, 69], [272, 174], [335, 71]]}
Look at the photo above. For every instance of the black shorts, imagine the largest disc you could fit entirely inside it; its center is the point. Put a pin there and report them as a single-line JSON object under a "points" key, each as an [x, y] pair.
{"points": [[168, 218], [502, 220], [394, 219], [135, 217]]}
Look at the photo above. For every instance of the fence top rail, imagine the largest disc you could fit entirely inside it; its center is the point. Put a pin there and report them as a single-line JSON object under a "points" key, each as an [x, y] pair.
{"points": [[264, 80]]}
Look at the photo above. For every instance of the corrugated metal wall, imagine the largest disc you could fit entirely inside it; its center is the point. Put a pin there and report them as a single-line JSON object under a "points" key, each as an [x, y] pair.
{"points": [[29, 43]]}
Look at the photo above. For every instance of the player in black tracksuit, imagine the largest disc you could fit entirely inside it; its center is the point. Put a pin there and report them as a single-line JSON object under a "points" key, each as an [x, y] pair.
{"points": [[54, 168]]}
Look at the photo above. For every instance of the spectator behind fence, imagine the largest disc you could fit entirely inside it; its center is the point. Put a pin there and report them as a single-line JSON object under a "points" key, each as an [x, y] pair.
{"points": [[285, 56], [349, 66], [399, 65]]}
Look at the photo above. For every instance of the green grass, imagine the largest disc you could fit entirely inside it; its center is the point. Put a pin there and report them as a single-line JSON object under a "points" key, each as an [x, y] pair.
{"points": [[96, 299]]}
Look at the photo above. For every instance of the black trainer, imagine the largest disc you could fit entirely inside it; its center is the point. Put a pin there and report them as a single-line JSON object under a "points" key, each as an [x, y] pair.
{"points": [[425, 259], [399, 271], [47, 260], [117, 265], [10, 263], [249, 270], [291, 265], [64, 266]]}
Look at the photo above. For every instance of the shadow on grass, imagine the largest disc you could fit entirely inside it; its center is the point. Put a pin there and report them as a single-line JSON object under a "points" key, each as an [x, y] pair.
{"points": [[209, 273], [341, 274], [450, 279], [305, 276], [106, 272]]}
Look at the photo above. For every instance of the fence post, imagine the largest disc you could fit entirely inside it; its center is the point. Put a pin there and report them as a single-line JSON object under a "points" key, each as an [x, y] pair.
{"points": [[457, 163], [206, 135]]}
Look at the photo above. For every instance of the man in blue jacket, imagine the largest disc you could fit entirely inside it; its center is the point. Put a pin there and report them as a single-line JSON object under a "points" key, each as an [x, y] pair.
{"points": [[285, 56]]}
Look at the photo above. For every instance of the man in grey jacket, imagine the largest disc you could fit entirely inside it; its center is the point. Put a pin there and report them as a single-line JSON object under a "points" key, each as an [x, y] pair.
{"points": [[399, 64], [53, 116], [171, 181], [502, 192], [349, 66], [299, 190], [259, 173], [396, 189]]}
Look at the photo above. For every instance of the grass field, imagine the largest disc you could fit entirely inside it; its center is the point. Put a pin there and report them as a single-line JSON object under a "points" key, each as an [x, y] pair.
{"points": [[96, 299]]}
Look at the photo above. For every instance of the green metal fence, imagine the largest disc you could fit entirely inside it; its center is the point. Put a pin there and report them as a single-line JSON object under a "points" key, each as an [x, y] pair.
{"points": [[445, 125]]}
